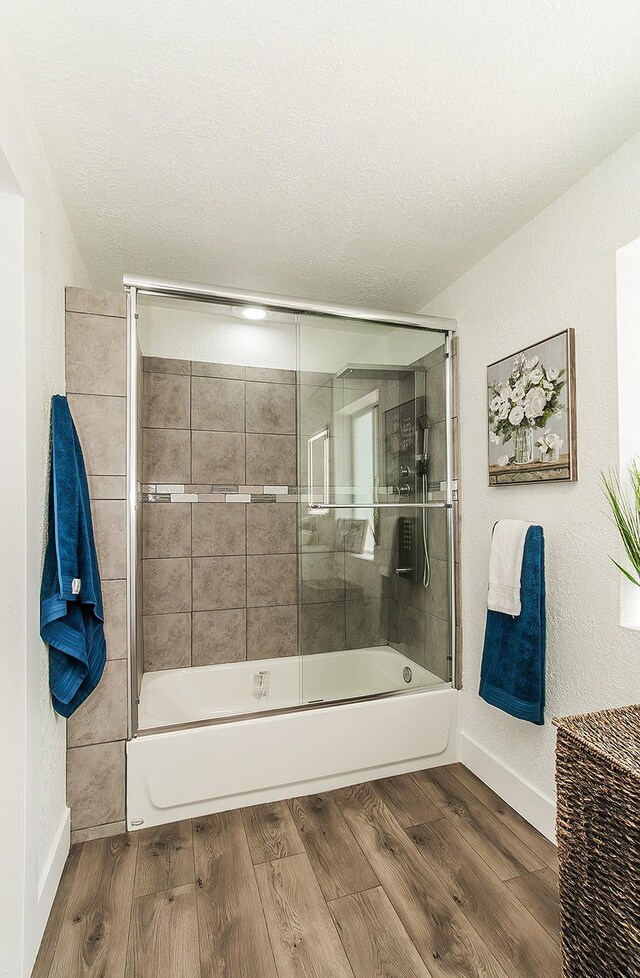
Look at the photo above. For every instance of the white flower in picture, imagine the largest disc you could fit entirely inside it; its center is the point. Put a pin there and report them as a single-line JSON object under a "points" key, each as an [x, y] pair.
{"points": [[503, 460], [535, 403], [495, 403], [549, 442], [516, 415], [503, 413], [535, 376], [552, 374], [531, 363], [495, 439]]}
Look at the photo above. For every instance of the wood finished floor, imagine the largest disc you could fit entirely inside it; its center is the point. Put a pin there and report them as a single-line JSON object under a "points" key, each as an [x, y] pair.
{"points": [[426, 875]]}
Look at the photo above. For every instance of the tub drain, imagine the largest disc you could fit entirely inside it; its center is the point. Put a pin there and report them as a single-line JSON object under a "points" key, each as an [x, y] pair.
{"points": [[407, 674]]}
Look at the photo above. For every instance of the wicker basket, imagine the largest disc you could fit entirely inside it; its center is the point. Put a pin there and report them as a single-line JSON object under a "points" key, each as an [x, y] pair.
{"points": [[598, 778]]}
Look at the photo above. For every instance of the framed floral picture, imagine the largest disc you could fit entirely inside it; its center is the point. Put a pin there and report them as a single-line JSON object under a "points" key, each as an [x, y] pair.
{"points": [[532, 414]]}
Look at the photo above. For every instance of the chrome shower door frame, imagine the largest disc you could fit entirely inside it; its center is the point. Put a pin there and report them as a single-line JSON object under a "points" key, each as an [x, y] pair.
{"points": [[135, 286]]}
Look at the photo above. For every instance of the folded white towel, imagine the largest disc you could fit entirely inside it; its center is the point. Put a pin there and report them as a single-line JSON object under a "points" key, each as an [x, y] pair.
{"points": [[505, 566]]}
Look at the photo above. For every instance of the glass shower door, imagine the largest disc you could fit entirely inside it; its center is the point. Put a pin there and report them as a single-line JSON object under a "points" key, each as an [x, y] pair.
{"points": [[371, 619]]}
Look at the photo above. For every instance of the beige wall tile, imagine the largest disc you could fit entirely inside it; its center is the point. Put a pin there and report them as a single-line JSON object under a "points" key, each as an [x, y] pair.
{"points": [[166, 530], [114, 600], [271, 580], [95, 354], [437, 647], [101, 424], [109, 527], [272, 632], [166, 641], [271, 528], [166, 401], [107, 486], [218, 529], [218, 457], [166, 585], [271, 375], [271, 460], [96, 303], [435, 394], [271, 408], [437, 452], [364, 624], [166, 455], [95, 784], [411, 633], [323, 627], [219, 636], [216, 404], [322, 577], [228, 371], [165, 365], [437, 594], [437, 533], [98, 832], [219, 582], [363, 577], [103, 715]]}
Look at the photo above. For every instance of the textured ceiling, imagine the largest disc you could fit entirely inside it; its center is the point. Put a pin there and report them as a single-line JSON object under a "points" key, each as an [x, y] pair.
{"points": [[366, 151]]}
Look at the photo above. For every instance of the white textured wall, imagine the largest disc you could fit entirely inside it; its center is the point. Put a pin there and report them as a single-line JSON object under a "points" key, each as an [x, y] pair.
{"points": [[51, 261], [557, 271]]}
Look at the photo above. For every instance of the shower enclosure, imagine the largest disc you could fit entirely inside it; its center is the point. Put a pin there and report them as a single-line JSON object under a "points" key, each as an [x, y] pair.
{"points": [[290, 538]]}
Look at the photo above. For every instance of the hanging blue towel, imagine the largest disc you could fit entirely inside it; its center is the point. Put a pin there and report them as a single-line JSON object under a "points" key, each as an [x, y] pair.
{"points": [[513, 660], [71, 616]]}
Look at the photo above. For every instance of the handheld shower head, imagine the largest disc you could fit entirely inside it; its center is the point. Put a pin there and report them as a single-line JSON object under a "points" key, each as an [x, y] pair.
{"points": [[423, 422]]}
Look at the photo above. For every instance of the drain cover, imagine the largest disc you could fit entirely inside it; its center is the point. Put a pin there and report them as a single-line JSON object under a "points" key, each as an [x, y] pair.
{"points": [[407, 674]]}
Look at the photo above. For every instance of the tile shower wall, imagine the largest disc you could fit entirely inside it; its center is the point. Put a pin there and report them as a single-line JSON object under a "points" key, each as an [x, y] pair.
{"points": [[219, 513], [95, 353]]}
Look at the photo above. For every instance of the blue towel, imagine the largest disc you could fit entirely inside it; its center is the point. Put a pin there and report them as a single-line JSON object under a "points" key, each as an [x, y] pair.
{"points": [[513, 660], [71, 616]]}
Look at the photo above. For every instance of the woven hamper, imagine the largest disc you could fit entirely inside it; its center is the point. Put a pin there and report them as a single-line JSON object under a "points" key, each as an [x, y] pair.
{"points": [[598, 828]]}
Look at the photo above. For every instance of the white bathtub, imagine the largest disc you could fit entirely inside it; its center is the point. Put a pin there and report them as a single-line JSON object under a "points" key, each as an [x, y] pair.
{"points": [[213, 767], [178, 696]]}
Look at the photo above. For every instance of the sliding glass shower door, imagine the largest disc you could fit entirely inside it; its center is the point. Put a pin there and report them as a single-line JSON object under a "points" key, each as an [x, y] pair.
{"points": [[374, 573]]}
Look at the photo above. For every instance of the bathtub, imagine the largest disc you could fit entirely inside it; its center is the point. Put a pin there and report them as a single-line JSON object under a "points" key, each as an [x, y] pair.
{"points": [[235, 688], [219, 760]]}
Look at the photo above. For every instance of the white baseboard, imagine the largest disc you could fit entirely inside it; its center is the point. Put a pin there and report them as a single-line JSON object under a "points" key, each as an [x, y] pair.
{"points": [[52, 870], [538, 810]]}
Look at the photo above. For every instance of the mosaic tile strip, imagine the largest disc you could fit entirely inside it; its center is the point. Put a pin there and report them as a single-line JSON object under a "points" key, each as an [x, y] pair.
{"points": [[175, 493]]}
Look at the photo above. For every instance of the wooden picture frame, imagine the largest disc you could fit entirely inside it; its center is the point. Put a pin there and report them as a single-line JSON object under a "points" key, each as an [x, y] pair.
{"points": [[531, 406]]}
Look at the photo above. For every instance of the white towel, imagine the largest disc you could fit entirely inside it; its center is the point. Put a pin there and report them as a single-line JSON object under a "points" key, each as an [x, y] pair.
{"points": [[505, 566]]}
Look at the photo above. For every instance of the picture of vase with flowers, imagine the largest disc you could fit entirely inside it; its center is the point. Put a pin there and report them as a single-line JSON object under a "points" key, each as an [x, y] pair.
{"points": [[531, 412]]}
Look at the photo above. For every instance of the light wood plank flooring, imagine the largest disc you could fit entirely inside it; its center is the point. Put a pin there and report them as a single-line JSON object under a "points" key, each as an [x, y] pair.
{"points": [[426, 875]]}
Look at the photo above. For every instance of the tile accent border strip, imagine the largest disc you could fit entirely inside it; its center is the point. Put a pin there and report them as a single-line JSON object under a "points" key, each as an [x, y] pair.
{"points": [[173, 493]]}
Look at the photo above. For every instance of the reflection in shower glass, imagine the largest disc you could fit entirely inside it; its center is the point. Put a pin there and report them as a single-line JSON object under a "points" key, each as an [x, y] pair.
{"points": [[368, 624]]}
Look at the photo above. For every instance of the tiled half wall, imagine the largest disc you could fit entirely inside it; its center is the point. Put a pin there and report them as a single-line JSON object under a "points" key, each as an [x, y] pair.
{"points": [[95, 354]]}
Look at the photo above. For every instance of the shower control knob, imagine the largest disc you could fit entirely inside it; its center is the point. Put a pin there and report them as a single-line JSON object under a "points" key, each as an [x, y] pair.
{"points": [[402, 490], [405, 471]]}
